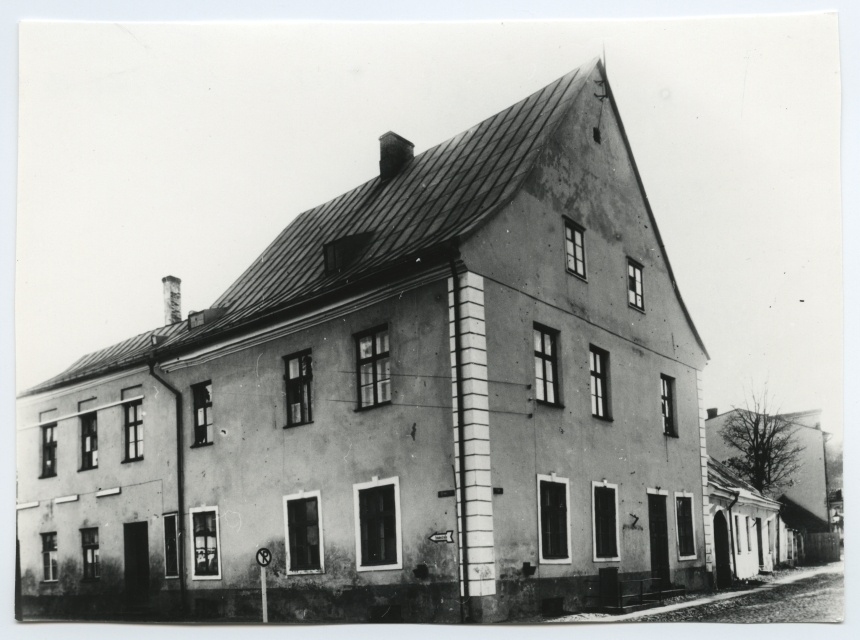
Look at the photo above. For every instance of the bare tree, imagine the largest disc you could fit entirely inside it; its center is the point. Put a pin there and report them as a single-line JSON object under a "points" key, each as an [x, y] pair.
{"points": [[769, 454]]}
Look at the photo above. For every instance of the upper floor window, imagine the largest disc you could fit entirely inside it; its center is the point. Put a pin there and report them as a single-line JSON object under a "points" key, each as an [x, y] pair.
{"points": [[598, 360], [89, 441], [574, 243], [546, 364], [204, 524], [133, 431], [49, 450], [667, 401], [299, 377], [202, 413], [635, 294], [684, 516], [304, 533], [49, 556], [554, 522], [374, 368], [605, 518], [378, 524], [90, 544]]}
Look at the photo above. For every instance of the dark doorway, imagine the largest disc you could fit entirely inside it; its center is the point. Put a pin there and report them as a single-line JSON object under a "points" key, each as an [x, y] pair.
{"points": [[722, 548], [659, 529], [136, 562], [758, 539]]}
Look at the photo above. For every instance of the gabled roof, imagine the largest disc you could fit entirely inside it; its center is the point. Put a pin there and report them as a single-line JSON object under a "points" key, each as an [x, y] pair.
{"points": [[721, 477], [438, 198], [797, 517]]}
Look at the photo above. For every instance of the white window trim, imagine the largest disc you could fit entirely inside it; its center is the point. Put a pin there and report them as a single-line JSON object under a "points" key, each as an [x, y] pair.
{"points": [[685, 494], [303, 495], [175, 517], [369, 485], [566, 483], [192, 555], [617, 558], [657, 491]]}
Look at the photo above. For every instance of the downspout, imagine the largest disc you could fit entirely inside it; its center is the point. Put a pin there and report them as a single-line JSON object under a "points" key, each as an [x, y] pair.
{"points": [[180, 489], [734, 541], [465, 615]]}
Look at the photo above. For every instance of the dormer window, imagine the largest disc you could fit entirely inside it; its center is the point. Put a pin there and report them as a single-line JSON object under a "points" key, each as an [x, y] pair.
{"points": [[339, 254]]}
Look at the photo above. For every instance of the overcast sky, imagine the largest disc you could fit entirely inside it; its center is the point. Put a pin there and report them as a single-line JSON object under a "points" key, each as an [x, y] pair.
{"points": [[148, 150]]}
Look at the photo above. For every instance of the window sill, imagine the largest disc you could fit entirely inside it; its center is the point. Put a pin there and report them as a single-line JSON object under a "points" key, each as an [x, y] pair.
{"points": [[379, 567], [373, 406], [555, 561], [577, 275], [49, 581], [615, 559], [218, 577], [687, 558], [635, 308], [129, 460], [298, 424], [554, 405], [200, 445], [51, 475], [87, 468], [670, 435], [603, 418], [305, 572]]}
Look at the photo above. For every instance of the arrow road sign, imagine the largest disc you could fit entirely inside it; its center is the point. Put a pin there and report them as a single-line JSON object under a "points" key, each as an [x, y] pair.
{"points": [[264, 557], [448, 537]]}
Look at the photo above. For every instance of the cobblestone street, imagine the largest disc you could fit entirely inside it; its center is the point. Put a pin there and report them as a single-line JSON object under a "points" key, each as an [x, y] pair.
{"points": [[819, 598]]}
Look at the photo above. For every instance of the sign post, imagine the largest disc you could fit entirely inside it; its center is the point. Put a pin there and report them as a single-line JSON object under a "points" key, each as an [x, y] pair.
{"points": [[264, 557]]}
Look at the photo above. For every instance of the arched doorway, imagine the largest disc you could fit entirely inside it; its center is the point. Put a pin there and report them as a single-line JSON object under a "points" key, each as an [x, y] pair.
{"points": [[722, 548]]}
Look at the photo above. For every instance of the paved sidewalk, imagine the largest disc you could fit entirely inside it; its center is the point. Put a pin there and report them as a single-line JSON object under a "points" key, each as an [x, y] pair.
{"points": [[794, 576]]}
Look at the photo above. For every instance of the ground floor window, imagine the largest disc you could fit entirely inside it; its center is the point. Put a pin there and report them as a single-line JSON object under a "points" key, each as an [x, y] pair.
{"points": [[90, 544], [605, 518], [49, 556], [171, 549], [684, 521], [377, 506], [206, 540], [303, 519], [553, 518]]}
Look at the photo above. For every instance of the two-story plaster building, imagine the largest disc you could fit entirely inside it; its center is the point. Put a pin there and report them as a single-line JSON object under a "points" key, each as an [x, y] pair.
{"points": [[458, 391]]}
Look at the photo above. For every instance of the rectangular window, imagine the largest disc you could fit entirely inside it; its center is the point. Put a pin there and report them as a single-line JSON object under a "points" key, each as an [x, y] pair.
{"points": [[599, 366], [374, 368], [206, 540], [635, 294], [605, 522], [171, 549], [574, 243], [202, 413], [304, 533], [90, 544], [49, 450], [377, 506], [546, 365], [684, 517], [89, 442], [49, 557], [738, 533], [748, 527], [299, 378], [553, 519], [133, 431], [667, 401]]}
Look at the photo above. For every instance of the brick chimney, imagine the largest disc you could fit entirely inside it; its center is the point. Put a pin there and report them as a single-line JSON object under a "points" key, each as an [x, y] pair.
{"points": [[395, 152], [712, 413], [172, 299]]}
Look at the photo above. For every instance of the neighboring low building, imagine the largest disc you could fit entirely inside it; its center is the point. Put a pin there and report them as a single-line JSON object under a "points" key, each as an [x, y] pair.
{"points": [[749, 535], [463, 388]]}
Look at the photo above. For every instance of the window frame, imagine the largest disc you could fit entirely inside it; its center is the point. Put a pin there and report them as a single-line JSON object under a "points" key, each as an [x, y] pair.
{"points": [[604, 485], [373, 484], [747, 521], [685, 495], [89, 459], [304, 495], [175, 517], [552, 358], [192, 542], [596, 354], [52, 557], [373, 359], [197, 403], [138, 430], [48, 446], [738, 533], [667, 399], [553, 479], [94, 563], [639, 270], [305, 385], [574, 228]]}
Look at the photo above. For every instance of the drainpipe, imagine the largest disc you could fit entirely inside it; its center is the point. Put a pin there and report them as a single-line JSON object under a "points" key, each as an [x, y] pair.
{"points": [[466, 616], [734, 540], [180, 489]]}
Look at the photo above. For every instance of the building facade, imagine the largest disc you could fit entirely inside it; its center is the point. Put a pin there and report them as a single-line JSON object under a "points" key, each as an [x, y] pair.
{"points": [[468, 389]]}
